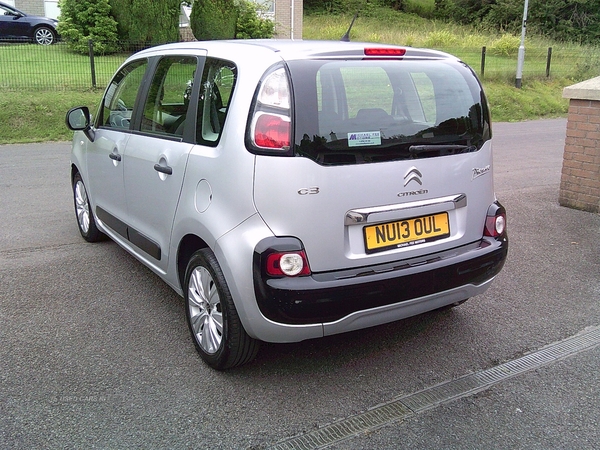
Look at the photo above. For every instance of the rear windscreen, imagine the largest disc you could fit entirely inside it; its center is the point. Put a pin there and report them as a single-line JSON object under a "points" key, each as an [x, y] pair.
{"points": [[353, 112]]}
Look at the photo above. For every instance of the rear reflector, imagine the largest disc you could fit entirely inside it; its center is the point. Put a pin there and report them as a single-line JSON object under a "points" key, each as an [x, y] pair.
{"points": [[385, 51]]}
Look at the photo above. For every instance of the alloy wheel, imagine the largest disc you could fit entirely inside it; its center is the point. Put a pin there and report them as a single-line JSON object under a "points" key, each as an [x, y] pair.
{"points": [[206, 316]]}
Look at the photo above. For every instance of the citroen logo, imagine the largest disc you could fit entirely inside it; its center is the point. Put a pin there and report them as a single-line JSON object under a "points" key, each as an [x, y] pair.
{"points": [[413, 175]]}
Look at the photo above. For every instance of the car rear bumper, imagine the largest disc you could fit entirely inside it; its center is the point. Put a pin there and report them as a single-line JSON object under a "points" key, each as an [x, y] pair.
{"points": [[352, 299]]}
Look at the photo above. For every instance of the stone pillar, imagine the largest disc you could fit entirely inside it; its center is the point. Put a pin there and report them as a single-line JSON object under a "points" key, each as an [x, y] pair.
{"points": [[580, 179], [288, 19]]}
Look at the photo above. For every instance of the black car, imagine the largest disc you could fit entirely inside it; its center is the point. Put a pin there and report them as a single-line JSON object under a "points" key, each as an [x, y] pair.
{"points": [[16, 25]]}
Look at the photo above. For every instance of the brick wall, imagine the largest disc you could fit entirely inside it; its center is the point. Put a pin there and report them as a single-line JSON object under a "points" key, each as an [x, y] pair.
{"points": [[580, 179]]}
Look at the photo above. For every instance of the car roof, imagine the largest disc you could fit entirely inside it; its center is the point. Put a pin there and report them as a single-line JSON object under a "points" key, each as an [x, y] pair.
{"points": [[289, 49]]}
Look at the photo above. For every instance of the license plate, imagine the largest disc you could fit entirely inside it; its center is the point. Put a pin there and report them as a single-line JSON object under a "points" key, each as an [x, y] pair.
{"points": [[404, 233]]}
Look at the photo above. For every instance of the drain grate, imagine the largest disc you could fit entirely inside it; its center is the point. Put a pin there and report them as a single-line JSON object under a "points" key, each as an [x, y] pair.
{"points": [[407, 406]]}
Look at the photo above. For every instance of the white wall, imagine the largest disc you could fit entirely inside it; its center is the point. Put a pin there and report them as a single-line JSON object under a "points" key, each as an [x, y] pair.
{"points": [[51, 9]]}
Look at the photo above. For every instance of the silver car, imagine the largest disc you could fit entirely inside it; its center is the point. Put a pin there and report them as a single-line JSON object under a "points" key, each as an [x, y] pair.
{"points": [[291, 190]]}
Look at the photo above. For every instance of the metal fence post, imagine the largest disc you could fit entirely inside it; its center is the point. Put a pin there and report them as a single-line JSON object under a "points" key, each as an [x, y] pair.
{"points": [[483, 50], [548, 62], [92, 65]]}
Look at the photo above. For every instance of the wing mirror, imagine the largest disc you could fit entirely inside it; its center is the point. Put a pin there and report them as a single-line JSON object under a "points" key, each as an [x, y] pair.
{"points": [[79, 119]]}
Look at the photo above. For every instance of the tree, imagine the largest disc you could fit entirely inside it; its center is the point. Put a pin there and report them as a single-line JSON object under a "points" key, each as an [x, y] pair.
{"points": [[566, 20], [84, 20], [214, 19], [147, 22], [251, 23], [463, 11]]}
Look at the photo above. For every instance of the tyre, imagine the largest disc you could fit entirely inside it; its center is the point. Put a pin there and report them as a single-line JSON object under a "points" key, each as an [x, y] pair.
{"points": [[85, 218], [216, 329], [44, 36]]}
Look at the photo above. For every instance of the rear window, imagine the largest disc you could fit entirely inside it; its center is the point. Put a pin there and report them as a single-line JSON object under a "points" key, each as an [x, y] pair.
{"points": [[353, 112]]}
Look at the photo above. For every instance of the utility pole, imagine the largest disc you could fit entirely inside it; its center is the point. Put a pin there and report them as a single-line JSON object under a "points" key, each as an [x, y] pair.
{"points": [[521, 57]]}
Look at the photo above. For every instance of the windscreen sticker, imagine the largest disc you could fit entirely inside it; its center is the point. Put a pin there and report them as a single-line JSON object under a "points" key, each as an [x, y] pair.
{"points": [[364, 138]]}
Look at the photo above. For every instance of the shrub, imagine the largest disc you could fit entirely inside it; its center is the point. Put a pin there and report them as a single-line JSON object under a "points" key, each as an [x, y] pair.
{"points": [[422, 8], [441, 38], [252, 22], [507, 45], [147, 22], [336, 7], [213, 19], [82, 20]]}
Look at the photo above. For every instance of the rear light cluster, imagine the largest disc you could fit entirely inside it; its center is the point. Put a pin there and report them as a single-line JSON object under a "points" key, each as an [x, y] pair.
{"points": [[272, 131], [495, 221], [289, 264], [270, 123]]}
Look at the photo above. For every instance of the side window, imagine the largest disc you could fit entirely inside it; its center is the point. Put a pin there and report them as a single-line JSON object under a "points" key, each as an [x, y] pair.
{"points": [[218, 82], [166, 105], [118, 102]]}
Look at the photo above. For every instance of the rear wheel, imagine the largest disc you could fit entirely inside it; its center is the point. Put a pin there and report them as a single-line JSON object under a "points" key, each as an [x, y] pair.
{"points": [[216, 329], [44, 36]]}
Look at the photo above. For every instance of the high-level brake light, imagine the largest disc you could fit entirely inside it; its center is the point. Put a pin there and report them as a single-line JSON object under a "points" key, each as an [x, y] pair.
{"points": [[382, 51]]}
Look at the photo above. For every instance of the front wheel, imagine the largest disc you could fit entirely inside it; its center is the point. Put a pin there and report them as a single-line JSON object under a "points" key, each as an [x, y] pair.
{"points": [[44, 36], [85, 217], [216, 329]]}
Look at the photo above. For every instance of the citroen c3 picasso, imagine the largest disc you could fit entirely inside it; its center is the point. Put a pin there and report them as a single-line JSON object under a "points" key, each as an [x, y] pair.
{"points": [[290, 190]]}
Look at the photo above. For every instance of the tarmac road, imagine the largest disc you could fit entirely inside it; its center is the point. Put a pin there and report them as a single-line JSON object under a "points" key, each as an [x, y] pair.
{"points": [[95, 352]]}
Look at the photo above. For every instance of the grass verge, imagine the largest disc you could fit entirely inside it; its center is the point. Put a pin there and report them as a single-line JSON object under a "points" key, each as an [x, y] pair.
{"points": [[39, 116]]}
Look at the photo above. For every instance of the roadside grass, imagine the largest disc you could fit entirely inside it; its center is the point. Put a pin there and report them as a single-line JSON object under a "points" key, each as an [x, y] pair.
{"points": [[62, 79], [539, 97], [39, 116]]}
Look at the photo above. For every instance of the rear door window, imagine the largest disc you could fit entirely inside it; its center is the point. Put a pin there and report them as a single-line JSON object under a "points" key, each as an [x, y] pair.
{"points": [[218, 82], [166, 105]]}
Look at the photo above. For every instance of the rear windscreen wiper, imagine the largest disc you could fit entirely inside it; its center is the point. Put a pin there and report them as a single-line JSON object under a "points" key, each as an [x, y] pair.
{"points": [[455, 148]]}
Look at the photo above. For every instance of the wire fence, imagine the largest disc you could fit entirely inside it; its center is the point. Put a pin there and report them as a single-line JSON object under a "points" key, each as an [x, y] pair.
{"points": [[25, 66], [54, 67]]}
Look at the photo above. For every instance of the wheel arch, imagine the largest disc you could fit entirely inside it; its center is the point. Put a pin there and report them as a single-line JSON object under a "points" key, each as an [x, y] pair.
{"points": [[74, 171], [188, 245], [43, 25]]}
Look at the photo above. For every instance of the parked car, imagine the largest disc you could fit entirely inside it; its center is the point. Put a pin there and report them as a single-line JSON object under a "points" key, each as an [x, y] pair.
{"points": [[291, 190], [16, 25]]}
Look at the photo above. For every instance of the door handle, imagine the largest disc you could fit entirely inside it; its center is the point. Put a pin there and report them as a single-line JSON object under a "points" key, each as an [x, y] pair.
{"points": [[163, 169], [114, 156]]}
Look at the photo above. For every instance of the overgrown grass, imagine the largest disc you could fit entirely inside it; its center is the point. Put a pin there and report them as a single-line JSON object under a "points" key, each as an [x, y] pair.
{"points": [[540, 96], [28, 115]]}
